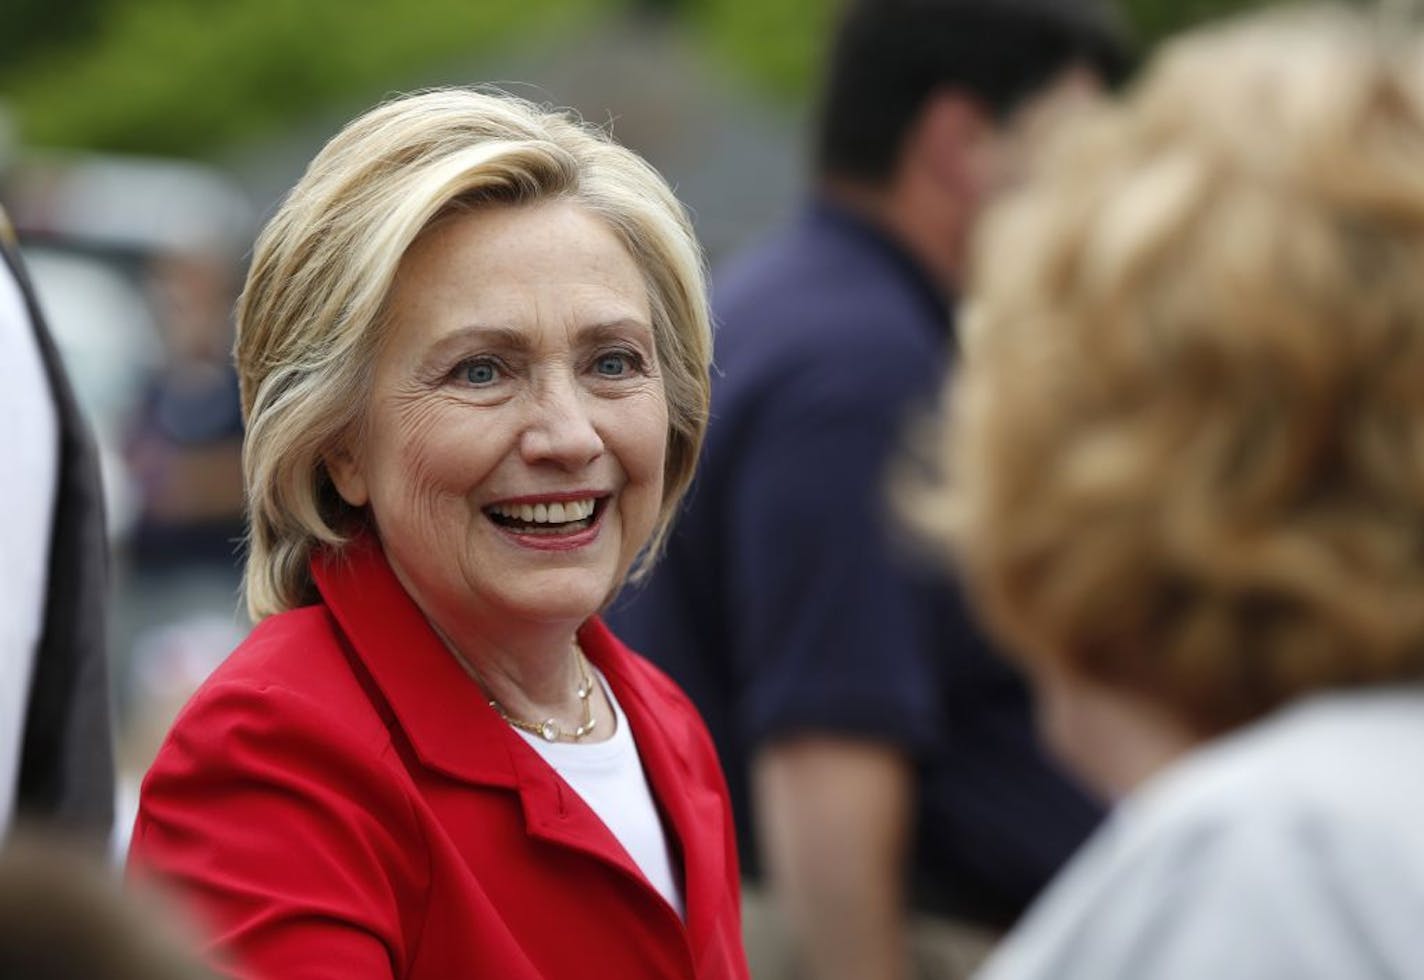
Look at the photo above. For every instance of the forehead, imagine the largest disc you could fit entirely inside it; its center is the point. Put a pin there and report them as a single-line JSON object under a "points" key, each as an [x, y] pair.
{"points": [[510, 262], [546, 242]]}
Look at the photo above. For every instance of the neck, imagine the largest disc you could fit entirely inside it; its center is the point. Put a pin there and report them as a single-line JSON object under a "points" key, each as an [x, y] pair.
{"points": [[552, 695], [1114, 739], [528, 665], [927, 227], [530, 676]]}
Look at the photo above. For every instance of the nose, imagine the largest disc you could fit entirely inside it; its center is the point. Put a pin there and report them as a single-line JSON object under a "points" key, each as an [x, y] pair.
{"points": [[561, 430]]}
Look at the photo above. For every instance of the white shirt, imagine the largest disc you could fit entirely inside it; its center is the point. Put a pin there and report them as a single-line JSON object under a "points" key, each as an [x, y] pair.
{"points": [[1290, 850], [609, 776], [27, 495]]}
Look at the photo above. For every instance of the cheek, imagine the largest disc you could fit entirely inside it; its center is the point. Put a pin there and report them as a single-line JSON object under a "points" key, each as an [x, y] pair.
{"points": [[650, 444], [430, 454], [641, 435]]}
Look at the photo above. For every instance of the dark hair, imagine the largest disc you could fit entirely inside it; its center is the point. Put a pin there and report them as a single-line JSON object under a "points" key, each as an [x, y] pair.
{"points": [[890, 55]]}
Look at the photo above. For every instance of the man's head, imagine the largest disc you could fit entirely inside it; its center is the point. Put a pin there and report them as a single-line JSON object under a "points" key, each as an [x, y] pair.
{"points": [[919, 93], [892, 56]]}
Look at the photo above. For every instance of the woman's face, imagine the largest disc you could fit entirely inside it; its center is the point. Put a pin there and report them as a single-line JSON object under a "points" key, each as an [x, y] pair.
{"points": [[517, 427]]}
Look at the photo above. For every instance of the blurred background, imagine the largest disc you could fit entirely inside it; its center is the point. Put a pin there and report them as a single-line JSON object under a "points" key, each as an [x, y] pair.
{"points": [[142, 143]]}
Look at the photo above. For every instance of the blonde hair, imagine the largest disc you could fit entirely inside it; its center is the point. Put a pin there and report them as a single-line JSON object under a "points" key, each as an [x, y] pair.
{"points": [[311, 318], [1186, 443]]}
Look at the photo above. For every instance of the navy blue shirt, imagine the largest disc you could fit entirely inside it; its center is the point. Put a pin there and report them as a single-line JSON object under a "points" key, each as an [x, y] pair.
{"points": [[789, 602]]}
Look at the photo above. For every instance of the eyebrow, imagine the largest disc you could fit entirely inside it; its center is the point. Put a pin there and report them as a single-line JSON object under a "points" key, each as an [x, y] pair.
{"points": [[510, 339], [616, 328], [505, 338]]}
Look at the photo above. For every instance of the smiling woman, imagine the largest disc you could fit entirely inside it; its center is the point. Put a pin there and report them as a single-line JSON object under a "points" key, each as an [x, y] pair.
{"points": [[474, 355]]}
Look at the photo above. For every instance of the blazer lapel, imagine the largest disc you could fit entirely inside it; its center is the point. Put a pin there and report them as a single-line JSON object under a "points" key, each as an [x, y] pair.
{"points": [[665, 735], [556, 814], [444, 714]]}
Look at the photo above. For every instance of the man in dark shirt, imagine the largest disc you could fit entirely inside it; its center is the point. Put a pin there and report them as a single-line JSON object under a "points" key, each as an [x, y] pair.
{"points": [[875, 748]]}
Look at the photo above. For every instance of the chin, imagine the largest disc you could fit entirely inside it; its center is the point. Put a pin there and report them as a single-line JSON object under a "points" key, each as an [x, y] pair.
{"points": [[572, 596]]}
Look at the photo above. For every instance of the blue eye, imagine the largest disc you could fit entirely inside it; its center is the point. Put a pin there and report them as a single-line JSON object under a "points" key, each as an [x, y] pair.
{"points": [[481, 371], [614, 364]]}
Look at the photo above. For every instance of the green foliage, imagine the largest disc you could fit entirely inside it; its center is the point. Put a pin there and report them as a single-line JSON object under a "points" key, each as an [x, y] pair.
{"points": [[189, 77], [780, 44], [193, 77]]}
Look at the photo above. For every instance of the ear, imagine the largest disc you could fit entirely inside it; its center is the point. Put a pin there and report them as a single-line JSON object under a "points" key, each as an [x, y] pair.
{"points": [[348, 476], [949, 141]]}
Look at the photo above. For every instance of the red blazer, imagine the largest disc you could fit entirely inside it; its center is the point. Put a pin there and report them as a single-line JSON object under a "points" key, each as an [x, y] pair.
{"points": [[339, 801]]}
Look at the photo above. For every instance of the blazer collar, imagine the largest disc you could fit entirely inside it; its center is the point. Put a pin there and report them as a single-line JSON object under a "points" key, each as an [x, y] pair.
{"points": [[444, 714], [452, 728]]}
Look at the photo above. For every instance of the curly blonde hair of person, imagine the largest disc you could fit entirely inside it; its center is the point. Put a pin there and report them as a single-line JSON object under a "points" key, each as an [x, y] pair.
{"points": [[1185, 446], [311, 319]]}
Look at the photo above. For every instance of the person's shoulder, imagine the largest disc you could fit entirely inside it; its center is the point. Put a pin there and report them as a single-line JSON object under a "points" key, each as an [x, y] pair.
{"points": [[798, 292], [1223, 791], [1301, 821], [821, 352], [1138, 878], [1317, 759], [291, 672], [297, 649], [1315, 785]]}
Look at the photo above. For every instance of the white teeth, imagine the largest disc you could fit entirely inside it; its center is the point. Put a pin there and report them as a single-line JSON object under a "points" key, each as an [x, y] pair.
{"points": [[556, 513]]}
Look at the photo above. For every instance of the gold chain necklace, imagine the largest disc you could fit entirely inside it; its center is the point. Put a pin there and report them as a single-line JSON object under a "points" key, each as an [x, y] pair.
{"points": [[549, 729]]}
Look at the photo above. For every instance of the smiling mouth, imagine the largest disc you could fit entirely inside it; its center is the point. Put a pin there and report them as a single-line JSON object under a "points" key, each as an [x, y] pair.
{"points": [[551, 519]]}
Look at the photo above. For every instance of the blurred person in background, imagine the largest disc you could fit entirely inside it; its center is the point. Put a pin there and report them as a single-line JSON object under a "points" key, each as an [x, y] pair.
{"points": [[64, 917], [1186, 486], [180, 577], [878, 752], [56, 747], [474, 352], [185, 446]]}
